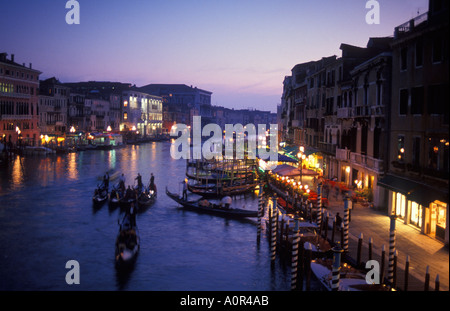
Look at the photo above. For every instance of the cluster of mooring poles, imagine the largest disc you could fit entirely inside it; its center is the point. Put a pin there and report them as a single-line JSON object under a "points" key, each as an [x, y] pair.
{"points": [[283, 236]]}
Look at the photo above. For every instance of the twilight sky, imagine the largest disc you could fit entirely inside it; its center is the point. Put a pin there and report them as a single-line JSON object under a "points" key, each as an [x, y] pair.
{"points": [[238, 49]]}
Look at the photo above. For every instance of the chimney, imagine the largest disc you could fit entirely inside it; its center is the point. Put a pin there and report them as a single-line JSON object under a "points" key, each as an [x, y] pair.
{"points": [[12, 58], [31, 66]]}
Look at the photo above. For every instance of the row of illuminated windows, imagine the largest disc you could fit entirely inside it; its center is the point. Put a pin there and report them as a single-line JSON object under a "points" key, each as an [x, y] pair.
{"points": [[8, 126], [6, 87], [20, 89]]}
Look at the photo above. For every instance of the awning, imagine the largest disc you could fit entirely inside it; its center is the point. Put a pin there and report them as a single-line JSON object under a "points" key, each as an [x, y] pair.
{"points": [[281, 158], [294, 150], [284, 158], [288, 170], [414, 191]]}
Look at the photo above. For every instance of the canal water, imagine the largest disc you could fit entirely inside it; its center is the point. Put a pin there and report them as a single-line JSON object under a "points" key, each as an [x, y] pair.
{"points": [[47, 218]]}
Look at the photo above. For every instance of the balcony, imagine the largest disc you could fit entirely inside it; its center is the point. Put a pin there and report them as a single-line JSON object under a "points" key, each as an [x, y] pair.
{"points": [[5, 117], [15, 95], [343, 154], [367, 162], [345, 113], [327, 148], [377, 111], [361, 111], [296, 123]]}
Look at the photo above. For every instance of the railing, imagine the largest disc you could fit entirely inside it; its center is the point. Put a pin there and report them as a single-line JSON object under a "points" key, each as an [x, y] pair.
{"points": [[15, 95], [367, 162], [327, 148], [342, 154], [377, 111], [409, 25], [361, 111], [15, 117], [346, 112]]}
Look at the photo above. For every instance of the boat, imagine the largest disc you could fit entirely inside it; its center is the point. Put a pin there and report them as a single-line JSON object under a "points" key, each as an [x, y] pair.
{"points": [[146, 198], [212, 190], [100, 195], [127, 242], [115, 196], [39, 150], [220, 178], [351, 279], [309, 232], [204, 206]]}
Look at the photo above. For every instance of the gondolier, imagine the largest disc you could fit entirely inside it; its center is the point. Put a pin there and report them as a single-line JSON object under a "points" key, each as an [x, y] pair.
{"points": [[139, 182], [184, 190], [226, 201]]}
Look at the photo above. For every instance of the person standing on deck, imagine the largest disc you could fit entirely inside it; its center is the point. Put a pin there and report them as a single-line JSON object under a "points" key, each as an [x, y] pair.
{"points": [[184, 189]]}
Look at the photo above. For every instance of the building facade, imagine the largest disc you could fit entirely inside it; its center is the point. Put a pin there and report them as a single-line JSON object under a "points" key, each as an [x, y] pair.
{"points": [[376, 119], [416, 184], [141, 112], [19, 89], [181, 103], [53, 107]]}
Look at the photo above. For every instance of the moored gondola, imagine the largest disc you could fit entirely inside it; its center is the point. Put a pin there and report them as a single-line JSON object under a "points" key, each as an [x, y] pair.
{"points": [[204, 206]]}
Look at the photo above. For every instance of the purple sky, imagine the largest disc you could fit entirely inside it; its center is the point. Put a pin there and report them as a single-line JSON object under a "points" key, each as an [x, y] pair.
{"points": [[239, 50]]}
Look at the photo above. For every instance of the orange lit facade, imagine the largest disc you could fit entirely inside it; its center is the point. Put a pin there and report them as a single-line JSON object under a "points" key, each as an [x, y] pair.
{"points": [[19, 89]]}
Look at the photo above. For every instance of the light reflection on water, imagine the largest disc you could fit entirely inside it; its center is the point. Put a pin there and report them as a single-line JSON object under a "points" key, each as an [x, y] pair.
{"points": [[49, 219]]}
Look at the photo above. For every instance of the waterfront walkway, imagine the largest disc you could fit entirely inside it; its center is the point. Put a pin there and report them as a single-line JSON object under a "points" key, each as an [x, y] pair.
{"points": [[423, 250]]}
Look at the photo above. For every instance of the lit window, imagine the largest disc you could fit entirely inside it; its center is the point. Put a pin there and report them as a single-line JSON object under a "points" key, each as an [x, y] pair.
{"points": [[125, 103], [125, 116]]}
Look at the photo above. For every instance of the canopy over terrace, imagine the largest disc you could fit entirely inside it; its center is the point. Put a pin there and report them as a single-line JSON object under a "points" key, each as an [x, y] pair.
{"points": [[291, 171]]}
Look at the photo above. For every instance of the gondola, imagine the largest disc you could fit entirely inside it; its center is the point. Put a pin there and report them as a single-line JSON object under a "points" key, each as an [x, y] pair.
{"points": [[115, 196], [100, 196], [214, 191], [350, 278], [210, 208], [127, 242], [146, 198]]}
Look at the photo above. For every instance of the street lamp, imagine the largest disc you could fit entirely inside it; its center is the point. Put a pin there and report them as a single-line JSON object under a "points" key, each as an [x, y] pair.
{"points": [[301, 156]]}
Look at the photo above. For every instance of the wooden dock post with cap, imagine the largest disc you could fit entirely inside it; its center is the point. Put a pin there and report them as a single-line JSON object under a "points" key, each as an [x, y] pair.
{"points": [[308, 257], [405, 288], [427, 279], [336, 270], [346, 224], [260, 213], [358, 254], [382, 264], [294, 263], [273, 231], [391, 250]]}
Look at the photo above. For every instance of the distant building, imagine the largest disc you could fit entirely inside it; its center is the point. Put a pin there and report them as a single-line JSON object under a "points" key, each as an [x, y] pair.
{"points": [[78, 116], [19, 88], [99, 117], [141, 112], [53, 104], [181, 103]]}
